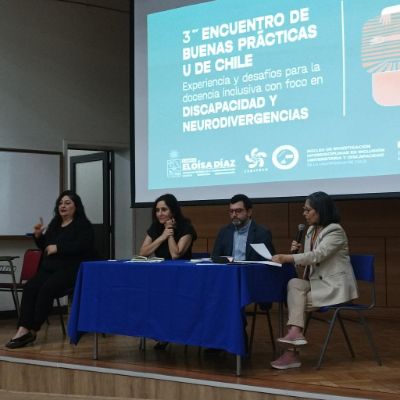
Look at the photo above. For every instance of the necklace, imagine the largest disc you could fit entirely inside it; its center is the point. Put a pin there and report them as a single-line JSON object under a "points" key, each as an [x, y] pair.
{"points": [[317, 229], [66, 223]]}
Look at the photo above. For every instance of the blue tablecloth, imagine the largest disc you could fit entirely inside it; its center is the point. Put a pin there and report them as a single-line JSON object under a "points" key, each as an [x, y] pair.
{"points": [[174, 301]]}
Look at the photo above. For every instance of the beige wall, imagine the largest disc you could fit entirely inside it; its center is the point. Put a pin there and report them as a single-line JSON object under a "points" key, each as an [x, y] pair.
{"points": [[64, 80], [64, 74]]}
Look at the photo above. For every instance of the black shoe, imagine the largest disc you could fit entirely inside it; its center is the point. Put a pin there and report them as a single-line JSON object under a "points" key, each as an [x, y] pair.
{"points": [[21, 341], [212, 351], [161, 345]]}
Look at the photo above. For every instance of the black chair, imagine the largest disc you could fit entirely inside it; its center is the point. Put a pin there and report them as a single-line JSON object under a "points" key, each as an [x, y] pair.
{"points": [[68, 293], [260, 309], [363, 267]]}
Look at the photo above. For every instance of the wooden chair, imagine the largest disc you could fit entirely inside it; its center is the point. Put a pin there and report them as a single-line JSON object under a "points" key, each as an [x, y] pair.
{"points": [[364, 271]]}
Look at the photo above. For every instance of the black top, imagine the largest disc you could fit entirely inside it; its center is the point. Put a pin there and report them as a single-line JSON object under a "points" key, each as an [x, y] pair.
{"points": [[185, 228], [75, 243]]}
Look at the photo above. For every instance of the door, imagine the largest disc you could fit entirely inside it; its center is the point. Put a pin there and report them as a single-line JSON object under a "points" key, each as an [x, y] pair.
{"points": [[91, 176]]}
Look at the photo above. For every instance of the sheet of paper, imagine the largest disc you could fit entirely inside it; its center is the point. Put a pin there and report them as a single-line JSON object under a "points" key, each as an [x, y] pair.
{"points": [[210, 263], [262, 250], [259, 262]]}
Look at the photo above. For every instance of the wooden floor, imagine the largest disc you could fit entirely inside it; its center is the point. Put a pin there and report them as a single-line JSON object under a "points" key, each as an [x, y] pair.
{"points": [[340, 375], [12, 395]]}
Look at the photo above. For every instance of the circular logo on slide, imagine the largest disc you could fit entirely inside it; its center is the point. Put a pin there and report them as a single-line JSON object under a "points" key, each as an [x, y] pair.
{"points": [[285, 157]]}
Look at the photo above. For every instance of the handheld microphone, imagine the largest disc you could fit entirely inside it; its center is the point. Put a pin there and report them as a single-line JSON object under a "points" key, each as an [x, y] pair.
{"points": [[299, 236]]}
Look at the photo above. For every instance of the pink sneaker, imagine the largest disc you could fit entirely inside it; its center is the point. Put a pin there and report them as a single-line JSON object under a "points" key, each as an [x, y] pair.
{"points": [[289, 359], [294, 341]]}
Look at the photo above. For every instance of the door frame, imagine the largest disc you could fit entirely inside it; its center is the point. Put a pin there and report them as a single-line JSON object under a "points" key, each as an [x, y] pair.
{"points": [[107, 159]]}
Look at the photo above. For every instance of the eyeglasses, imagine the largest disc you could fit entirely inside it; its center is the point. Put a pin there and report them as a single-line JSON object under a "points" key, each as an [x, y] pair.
{"points": [[236, 210], [307, 209]]}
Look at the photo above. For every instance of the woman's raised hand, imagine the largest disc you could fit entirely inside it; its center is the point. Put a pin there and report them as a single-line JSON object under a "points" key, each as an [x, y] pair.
{"points": [[39, 228]]}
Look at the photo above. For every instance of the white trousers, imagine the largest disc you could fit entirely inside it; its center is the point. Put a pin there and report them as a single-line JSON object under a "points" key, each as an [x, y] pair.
{"points": [[299, 301]]}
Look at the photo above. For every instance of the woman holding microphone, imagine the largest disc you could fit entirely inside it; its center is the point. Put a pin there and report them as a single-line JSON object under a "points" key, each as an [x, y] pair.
{"points": [[328, 276]]}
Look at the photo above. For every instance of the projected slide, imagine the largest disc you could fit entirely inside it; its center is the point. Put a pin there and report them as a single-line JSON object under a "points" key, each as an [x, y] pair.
{"points": [[269, 91]]}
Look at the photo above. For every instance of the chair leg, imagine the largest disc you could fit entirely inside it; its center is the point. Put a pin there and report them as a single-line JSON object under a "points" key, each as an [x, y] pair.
{"points": [[271, 332], [142, 344], [252, 330], [346, 336], [15, 298], [370, 339], [61, 317], [308, 319], [328, 337]]}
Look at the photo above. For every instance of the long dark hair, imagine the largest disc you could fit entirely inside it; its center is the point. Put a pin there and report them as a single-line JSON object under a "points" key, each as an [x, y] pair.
{"points": [[79, 209], [323, 204], [174, 206]]}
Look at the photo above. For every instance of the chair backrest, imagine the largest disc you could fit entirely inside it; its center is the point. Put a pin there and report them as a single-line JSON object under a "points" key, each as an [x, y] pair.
{"points": [[30, 264], [363, 267], [364, 271]]}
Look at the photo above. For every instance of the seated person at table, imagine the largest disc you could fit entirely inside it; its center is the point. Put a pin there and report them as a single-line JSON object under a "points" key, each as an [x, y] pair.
{"points": [[328, 276], [235, 239], [66, 242], [171, 235]]}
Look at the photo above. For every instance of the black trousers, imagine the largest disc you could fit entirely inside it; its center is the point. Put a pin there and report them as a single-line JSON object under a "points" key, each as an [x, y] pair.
{"points": [[39, 294]]}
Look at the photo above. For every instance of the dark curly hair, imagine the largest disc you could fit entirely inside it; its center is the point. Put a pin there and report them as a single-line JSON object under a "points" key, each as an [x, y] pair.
{"points": [[79, 209]]}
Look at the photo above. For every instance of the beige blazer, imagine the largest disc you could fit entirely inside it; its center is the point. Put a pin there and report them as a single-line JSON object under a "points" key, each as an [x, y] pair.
{"points": [[331, 274]]}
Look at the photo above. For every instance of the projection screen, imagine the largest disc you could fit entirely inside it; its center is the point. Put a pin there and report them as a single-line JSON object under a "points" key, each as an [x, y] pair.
{"points": [[272, 98]]}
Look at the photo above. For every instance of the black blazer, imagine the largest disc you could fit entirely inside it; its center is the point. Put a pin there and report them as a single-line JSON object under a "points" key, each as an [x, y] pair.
{"points": [[257, 234]]}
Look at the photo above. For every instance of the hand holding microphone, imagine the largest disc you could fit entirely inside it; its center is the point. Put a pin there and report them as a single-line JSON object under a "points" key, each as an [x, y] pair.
{"points": [[296, 244]]}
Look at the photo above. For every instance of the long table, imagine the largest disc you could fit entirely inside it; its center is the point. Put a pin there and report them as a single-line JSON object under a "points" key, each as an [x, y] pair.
{"points": [[176, 301]]}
